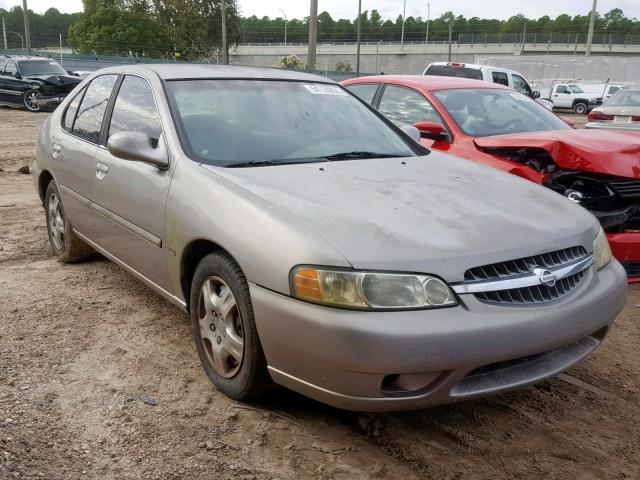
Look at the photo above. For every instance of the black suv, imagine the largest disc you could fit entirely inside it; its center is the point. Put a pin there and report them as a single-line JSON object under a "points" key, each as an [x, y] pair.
{"points": [[33, 82]]}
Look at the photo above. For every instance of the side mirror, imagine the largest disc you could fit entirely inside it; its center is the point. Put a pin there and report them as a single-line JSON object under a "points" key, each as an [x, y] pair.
{"points": [[569, 122], [412, 131], [17, 75], [535, 94], [431, 130], [136, 146]]}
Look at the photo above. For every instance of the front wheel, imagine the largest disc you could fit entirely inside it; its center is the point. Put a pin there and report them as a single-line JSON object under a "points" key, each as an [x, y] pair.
{"points": [[580, 108], [224, 329], [30, 99]]}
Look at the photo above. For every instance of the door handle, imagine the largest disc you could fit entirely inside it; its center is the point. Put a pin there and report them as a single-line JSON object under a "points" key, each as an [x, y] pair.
{"points": [[101, 170]]}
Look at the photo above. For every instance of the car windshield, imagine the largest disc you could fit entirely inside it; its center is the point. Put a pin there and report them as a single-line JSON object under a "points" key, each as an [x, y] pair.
{"points": [[41, 67], [485, 112], [575, 89], [624, 99], [249, 122]]}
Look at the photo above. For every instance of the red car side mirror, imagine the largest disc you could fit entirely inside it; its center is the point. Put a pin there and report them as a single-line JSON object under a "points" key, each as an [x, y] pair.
{"points": [[431, 130]]}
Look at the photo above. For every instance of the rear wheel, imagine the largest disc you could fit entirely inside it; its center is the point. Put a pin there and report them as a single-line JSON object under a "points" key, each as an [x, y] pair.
{"points": [[580, 108], [224, 329], [31, 101], [64, 243]]}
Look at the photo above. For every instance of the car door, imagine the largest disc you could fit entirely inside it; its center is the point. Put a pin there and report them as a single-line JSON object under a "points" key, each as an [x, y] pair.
{"points": [[562, 97], [73, 153], [10, 86], [406, 106], [132, 195]]}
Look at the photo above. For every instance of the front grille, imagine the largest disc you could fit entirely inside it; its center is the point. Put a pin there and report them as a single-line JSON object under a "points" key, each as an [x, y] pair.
{"points": [[524, 266], [632, 268], [627, 188]]}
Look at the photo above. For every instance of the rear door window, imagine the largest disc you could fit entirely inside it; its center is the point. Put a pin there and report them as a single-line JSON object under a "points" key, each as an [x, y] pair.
{"points": [[70, 113], [405, 106], [500, 78], [10, 68], [88, 124], [451, 71], [364, 91]]}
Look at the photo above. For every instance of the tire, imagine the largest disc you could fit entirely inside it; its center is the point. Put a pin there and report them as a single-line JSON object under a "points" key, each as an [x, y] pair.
{"points": [[220, 324], [581, 108], [29, 100], [64, 243]]}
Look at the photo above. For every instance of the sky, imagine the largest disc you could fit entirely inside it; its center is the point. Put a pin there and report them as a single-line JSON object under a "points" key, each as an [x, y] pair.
{"points": [[392, 8]]}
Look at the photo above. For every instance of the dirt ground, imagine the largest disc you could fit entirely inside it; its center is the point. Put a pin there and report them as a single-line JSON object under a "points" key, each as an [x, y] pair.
{"points": [[99, 379]]}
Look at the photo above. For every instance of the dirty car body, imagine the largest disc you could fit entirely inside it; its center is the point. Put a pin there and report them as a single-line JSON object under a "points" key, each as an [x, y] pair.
{"points": [[35, 83], [381, 280], [597, 169]]}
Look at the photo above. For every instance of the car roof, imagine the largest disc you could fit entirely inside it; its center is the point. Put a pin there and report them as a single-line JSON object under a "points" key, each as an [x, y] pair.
{"points": [[473, 66], [173, 71], [426, 82]]}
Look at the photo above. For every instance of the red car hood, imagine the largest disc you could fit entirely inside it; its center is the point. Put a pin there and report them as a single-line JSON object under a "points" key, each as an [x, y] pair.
{"points": [[609, 152]]}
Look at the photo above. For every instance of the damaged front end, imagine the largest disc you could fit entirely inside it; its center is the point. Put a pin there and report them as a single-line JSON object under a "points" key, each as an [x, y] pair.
{"points": [[614, 200]]}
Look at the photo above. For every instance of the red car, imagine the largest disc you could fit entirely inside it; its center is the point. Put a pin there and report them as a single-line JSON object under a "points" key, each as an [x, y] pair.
{"points": [[500, 127]]}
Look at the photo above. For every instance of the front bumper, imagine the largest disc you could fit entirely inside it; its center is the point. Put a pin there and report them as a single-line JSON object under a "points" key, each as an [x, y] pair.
{"points": [[626, 249], [366, 360]]}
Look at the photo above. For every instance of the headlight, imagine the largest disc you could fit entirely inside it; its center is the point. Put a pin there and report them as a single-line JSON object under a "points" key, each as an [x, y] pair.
{"points": [[601, 250], [370, 290]]}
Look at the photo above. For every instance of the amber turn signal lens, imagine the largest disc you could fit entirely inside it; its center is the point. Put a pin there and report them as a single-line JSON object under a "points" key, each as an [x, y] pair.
{"points": [[306, 284]]}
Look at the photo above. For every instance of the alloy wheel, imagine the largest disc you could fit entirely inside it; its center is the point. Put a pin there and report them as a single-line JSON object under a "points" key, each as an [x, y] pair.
{"points": [[220, 327], [56, 222], [31, 101]]}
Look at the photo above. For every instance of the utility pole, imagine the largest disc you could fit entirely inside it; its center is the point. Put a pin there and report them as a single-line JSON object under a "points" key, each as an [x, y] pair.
{"points": [[358, 39], [4, 33], [285, 26], [225, 49], [592, 24], [426, 38], [524, 36], [313, 35], [450, 36], [25, 12], [404, 13]]}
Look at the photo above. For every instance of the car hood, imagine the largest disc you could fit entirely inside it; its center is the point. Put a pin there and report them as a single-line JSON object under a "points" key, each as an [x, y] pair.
{"points": [[608, 152], [436, 214], [56, 79]]}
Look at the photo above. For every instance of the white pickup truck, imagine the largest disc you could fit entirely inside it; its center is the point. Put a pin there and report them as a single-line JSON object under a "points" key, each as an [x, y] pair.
{"points": [[572, 95]]}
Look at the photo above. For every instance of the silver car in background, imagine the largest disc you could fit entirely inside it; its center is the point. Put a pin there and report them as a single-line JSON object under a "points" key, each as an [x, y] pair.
{"points": [[317, 246], [620, 112]]}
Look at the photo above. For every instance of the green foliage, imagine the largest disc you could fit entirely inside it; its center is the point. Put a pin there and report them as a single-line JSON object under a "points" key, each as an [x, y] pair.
{"points": [[45, 28], [292, 62], [185, 28], [374, 28], [343, 67]]}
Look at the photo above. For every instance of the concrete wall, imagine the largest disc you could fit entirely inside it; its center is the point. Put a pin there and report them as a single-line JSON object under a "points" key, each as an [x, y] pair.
{"points": [[549, 67], [412, 58]]}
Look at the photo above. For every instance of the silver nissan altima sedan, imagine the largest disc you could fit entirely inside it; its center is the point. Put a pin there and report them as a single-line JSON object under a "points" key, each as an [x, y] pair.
{"points": [[317, 246]]}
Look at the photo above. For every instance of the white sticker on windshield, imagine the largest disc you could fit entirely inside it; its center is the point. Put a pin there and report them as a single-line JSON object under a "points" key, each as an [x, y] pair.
{"points": [[53, 63], [520, 97], [318, 89]]}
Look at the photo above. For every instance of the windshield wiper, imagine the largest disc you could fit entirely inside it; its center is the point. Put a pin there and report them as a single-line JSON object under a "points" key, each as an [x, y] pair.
{"points": [[268, 163], [360, 155]]}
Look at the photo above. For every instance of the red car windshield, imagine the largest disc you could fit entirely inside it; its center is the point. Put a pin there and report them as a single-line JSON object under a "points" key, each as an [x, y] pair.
{"points": [[483, 112]]}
